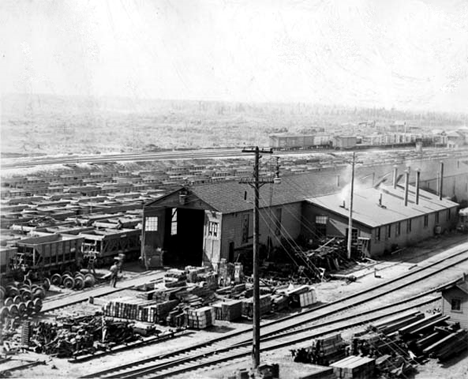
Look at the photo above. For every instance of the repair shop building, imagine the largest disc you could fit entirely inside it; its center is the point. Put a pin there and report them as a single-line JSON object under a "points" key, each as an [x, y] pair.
{"points": [[382, 220]]}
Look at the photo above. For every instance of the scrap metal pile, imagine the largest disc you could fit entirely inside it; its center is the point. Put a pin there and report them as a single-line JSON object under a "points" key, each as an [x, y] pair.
{"points": [[392, 348], [20, 300]]}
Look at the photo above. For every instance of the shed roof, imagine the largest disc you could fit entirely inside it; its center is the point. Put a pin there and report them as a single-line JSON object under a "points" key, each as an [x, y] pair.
{"points": [[366, 208]]}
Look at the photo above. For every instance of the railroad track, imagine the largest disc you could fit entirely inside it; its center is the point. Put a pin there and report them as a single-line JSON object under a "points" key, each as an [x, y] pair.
{"points": [[294, 329]]}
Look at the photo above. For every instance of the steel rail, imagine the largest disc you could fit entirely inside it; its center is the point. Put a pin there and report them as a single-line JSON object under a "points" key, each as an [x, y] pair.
{"points": [[246, 345], [274, 334]]}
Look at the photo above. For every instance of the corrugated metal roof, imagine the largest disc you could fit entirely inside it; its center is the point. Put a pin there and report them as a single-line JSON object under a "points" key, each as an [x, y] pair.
{"points": [[366, 209]]}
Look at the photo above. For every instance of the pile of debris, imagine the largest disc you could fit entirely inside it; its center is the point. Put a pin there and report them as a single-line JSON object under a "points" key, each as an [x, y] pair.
{"points": [[391, 347]]}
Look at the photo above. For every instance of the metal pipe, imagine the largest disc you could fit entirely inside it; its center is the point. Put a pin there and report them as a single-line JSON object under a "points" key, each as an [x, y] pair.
{"points": [[418, 175], [406, 186], [441, 181], [350, 224]]}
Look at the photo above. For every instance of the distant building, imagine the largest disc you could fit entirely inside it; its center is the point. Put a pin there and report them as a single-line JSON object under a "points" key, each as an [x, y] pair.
{"points": [[455, 301], [344, 142]]}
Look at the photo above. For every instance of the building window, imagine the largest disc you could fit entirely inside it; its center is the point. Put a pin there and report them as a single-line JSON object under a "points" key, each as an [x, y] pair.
{"points": [[321, 225], [151, 224], [408, 226], [213, 229], [278, 212], [174, 222], [245, 228], [398, 229], [456, 305], [437, 217], [389, 231], [377, 234], [426, 221]]}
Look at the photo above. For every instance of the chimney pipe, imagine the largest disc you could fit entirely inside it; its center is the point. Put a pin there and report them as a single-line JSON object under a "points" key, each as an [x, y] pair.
{"points": [[418, 174], [406, 186], [380, 200], [395, 174], [441, 181]]}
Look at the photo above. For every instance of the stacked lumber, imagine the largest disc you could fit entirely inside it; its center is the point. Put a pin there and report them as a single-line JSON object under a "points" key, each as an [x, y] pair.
{"points": [[329, 349], [394, 323], [302, 296], [200, 318], [228, 311], [422, 326], [139, 310], [158, 312], [265, 306], [354, 367], [448, 346], [323, 351]]}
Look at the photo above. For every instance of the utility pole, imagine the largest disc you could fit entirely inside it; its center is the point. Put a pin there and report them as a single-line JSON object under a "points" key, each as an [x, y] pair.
{"points": [[350, 221], [256, 183]]}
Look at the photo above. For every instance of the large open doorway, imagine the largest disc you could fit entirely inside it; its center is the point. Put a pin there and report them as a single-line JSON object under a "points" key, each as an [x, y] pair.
{"points": [[185, 243]]}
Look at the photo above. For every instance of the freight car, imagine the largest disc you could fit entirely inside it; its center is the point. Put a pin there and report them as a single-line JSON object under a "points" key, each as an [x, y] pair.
{"points": [[299, 141], [46, 254], [104, 245]]}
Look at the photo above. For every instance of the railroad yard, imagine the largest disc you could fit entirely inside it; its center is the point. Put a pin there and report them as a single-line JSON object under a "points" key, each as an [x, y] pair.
{"points": [[65, 319]]}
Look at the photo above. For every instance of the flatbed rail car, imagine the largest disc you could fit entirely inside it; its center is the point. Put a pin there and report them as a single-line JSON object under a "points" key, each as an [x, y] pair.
{"points": [[103, 245], [43, 254]]}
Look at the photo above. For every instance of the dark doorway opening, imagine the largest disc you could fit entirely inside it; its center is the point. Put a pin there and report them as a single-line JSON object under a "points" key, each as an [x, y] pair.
{"points": [[185, 245]]}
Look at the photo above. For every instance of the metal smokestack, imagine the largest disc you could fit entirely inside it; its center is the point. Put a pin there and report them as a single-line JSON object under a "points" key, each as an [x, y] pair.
{"points": [[406, 185], [395, 174], [441, 181], [418, 174]]}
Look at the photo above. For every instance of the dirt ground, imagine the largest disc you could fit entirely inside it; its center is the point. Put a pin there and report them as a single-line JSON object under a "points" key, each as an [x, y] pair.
{"points": [[388, 267]]}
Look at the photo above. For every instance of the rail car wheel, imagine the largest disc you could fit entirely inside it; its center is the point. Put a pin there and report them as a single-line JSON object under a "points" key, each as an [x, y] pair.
{"points": [[79, 283], [22, 309], [8, 301], [26, 295], [13, 310], [2, 293], [39, 293], [56, 279], [37, 305], [46, 283], [17, 299], [4, 312], [89, 280], [12, 291], [68, 282], [67, 273], [27, 282], [30, 307]]}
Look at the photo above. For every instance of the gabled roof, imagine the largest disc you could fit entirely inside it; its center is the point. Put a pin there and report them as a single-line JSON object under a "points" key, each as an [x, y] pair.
{"points": [[461, 284], [366, 209]]}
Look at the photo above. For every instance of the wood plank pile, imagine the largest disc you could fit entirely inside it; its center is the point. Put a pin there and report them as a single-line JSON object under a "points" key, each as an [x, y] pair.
{"points": [[448, 346], [228, 310], [139, 310], [323, 351], [265, 306], [302, 296], [201, 318], [354, 367]]}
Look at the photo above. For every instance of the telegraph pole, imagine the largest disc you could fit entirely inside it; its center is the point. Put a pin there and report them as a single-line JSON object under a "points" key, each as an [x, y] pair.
{"points": [[256, 183], [350, 221]]}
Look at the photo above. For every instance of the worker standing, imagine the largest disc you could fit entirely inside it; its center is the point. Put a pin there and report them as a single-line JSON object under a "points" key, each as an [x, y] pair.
{"points": [[114, 271]]}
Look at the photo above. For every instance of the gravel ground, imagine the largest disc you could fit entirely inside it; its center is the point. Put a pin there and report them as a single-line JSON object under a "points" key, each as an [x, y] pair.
{"points": [[387, 268]]}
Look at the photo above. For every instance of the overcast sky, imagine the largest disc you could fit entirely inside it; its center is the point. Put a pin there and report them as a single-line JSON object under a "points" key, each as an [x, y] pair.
{"points": [[400, 53]]}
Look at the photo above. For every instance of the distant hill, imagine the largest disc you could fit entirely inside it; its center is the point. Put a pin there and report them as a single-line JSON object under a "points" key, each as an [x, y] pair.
{"points": [[49, 124]]}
